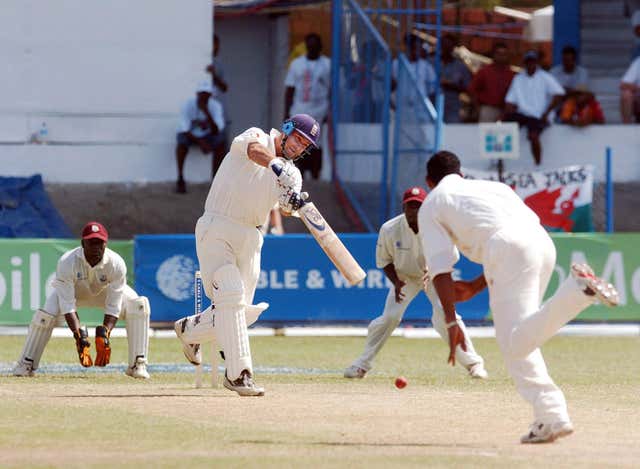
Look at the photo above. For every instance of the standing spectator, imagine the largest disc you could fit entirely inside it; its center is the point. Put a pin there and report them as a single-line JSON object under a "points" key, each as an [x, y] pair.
{"points": [[454, 79], [490, 85], [533, 94], [569, 74], [308, 84], [201, 124], [420, 69], [630, 93], [220, 88], [581, 108]]}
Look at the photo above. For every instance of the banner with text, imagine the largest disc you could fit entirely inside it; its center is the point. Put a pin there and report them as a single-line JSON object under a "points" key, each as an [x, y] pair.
{"points": [[297, 279], [27, 267], [561, 197]]}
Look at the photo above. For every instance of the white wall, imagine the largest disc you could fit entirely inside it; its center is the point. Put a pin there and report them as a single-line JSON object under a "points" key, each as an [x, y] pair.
{"points": [[92, 56], [108, 79], [561, 146]]}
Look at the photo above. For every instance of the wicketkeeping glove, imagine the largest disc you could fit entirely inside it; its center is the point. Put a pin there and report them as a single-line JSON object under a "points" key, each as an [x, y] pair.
{"points": [[83, 345], [103, 346]]}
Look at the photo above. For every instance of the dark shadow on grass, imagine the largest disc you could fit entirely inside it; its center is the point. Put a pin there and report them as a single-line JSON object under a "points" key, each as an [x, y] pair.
{"points": [[354, 444], [102, 396]]}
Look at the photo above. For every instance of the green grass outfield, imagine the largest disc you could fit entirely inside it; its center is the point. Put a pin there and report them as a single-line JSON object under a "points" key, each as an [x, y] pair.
{"points": [[311, 416]]}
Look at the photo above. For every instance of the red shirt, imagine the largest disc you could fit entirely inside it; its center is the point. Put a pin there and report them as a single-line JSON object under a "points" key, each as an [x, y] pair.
{"points": [[490, 84]]}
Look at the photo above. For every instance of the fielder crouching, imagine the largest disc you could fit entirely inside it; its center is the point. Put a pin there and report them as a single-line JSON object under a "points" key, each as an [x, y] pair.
{"points": [[90, 276], [228, 240]]}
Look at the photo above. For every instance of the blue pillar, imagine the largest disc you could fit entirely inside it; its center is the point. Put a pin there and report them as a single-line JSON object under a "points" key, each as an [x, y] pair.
{"points": [[566, 27]]}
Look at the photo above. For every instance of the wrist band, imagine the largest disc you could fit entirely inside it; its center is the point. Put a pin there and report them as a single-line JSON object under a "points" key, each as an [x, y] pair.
{"points": [[449, 325]]}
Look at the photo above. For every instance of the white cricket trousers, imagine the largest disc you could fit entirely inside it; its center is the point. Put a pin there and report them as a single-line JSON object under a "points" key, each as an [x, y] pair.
{"points": [[518, 264], [221, 242], [383, 326]]}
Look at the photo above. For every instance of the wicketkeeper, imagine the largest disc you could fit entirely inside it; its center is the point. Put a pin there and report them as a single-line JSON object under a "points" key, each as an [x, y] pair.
{"points": [[90, 276]]}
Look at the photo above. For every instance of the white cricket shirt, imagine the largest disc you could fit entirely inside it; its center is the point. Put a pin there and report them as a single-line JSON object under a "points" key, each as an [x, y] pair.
{"points": [[632, 75], [311, 80], [398, 244], [463, 213], [76, 279], [422, 72], [533, 93], [191, 117], [243, 190]]}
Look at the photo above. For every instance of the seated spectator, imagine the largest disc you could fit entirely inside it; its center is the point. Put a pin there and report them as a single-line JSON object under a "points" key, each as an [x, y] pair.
{"points": [[532, 96], [201, 124], [581, 108], [454, 79], [489, 86], [630, 93], [569, 74]]}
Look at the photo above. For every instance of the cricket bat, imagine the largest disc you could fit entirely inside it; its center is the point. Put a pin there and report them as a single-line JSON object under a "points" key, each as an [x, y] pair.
{"points": [[331, 244], [327, 239]]}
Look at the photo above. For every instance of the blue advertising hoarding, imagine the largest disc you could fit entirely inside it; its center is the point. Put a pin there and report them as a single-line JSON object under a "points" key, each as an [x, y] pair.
{"points": [[297, 279]]}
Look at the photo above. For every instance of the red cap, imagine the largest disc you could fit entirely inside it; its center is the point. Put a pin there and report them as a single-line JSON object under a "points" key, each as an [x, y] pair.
{"points": [[414, 193], [93, 229]]}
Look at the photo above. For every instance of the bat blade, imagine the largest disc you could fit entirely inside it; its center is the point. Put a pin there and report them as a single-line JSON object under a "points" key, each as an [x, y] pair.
{"points": [[331, 244]]}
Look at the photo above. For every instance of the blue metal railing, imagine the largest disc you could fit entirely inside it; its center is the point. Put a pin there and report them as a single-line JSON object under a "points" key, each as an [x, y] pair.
{"points": [[365, 35]]}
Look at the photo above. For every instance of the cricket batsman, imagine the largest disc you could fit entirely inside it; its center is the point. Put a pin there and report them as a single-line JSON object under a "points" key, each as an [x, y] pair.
{"points": [[229, 239], [90, 276]]}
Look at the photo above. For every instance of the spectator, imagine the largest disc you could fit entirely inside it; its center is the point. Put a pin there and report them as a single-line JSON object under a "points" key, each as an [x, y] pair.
{"points": [[569, 74], [201, 123], [533, 94], [308, 84], [630, 93], [581, 108], [490, 85], [635, 23], [420, 69], [220, 87], [454, 79]]}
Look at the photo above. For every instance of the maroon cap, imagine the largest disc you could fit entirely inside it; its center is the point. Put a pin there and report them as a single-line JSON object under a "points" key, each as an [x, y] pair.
{"points": [[414, 193], [93, 229]]}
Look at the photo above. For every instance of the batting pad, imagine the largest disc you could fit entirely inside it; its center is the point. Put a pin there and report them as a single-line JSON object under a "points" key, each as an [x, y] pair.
{"points": [[230, 322], [138, 312], [199, 328], [40, 329]]}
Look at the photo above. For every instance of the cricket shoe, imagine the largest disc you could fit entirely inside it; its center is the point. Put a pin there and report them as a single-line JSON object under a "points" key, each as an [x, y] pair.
{"points": [[139, 369], [191, 351], [355, 372], [24, 369], [546, 432], [594, 286], [477, 371], [244, 385]]}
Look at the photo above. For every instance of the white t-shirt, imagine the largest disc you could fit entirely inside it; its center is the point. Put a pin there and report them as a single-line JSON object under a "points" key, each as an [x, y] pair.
{"points": [[312, 82], [422, 72], [398, 244], [632, 75], [462, 213], [533, 93], [243, 190], [75, 279], [191, 117], [580, 76]]}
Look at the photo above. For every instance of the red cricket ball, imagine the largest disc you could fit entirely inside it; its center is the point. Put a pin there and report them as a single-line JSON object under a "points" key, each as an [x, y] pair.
{"points": [[401, 382]]}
